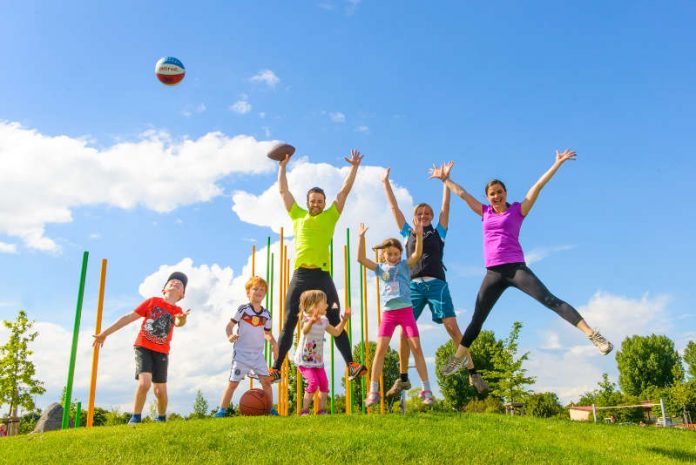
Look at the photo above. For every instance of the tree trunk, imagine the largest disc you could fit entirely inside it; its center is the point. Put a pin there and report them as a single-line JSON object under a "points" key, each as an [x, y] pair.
{"points": [[13, 423]]}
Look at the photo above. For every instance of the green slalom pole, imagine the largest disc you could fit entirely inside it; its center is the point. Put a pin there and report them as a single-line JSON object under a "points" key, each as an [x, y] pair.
{"points": [[362, 337], [348, 303], [268, 257], [78, 414], [333, 390], [73, 351]]}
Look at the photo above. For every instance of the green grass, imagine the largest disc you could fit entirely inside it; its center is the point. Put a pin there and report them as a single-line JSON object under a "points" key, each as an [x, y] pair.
{"points": [[419, 438]]}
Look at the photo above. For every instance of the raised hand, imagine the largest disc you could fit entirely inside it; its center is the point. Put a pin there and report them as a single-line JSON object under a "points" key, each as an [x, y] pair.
{"points": [[98, 340], [417, 226], [565, 156], [362, 229], [355, 158], [284, 161], [441, 172], [385, 176], [346, 314]]}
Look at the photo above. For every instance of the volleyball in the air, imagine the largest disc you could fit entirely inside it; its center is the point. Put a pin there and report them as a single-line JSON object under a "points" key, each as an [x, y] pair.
{"points": [[170, 71]]}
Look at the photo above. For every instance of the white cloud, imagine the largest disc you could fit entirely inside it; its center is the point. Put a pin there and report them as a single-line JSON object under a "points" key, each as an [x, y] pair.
{"points": [[190, 110], [267, 77], [362, 129], [8, 248], [241, 106], [568, 364], [45, 177], [539, 253], [337, 117]]}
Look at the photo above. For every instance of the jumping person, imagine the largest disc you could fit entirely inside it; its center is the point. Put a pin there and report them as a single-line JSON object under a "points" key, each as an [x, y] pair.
{"points": [[504, 258], [253, 324], [428, 284], [394, 273], [160, 315], [309, 356], [314, 229]]}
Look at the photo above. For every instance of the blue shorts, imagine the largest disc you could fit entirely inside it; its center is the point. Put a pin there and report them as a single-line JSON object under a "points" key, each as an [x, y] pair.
{"points": [[436, 294]]}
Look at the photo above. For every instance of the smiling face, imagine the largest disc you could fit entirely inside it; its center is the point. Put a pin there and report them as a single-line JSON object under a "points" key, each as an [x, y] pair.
{"points": [[497, 196], [391, 255], [321, 307], [423, 215], [316, 202], [256, 294], [174, 289]]}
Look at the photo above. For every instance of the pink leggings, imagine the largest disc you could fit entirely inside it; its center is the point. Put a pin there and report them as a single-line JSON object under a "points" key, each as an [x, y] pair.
{"points": [[316, 378]]}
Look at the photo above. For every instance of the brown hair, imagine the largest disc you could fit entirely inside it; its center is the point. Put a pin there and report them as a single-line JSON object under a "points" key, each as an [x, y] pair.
{"points": [[493, 182], [255, 281], [309, 299], [391, 242], [423, 205], [316, 190]]}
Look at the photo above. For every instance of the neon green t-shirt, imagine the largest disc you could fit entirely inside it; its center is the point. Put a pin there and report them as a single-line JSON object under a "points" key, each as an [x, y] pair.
{"points": [[313, 236]]}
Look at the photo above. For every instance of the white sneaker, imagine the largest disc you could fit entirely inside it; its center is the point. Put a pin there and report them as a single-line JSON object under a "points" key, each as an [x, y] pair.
{"points": [[454, 364], [600, 342]]}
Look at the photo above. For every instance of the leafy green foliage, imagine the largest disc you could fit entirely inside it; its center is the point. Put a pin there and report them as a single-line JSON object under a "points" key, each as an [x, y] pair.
{"points": [[544, 405], [390, 373], [646, 361], [17, 383], [507, 377], [690, 359], [200, 406]]}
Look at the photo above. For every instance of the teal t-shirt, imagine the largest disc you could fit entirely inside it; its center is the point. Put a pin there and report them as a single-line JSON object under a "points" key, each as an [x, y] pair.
{"points": [[394, 285]]}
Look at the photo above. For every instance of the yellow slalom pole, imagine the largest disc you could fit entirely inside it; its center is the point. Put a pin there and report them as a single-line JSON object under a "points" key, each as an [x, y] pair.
{"points": [[281, 314], [366, 345], [349, 408], [95, 350], [379, 322], [253, 273], [287, 361]]}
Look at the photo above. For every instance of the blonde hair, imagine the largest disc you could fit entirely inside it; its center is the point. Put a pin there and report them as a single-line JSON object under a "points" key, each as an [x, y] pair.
{"points": [[386, 243], [308, 299], [255, 281], [423, 205]]}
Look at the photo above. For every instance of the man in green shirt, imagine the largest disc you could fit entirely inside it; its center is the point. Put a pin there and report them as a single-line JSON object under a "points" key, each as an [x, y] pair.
{"points": [[314, 229]]}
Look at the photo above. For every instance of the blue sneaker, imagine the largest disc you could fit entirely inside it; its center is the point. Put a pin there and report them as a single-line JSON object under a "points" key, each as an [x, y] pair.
{"points": [[273, 412], [161, 419], [220, 413], [135, 419]]}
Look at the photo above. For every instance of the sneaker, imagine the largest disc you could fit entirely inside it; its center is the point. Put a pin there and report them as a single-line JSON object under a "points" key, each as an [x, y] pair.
{"points": [[477, 382], [397, 387], [220, 413], [304, 413], [372, 398], [600, 342], [135, 419], [454, 364], [161, 419], [273, 412], [322, 412], [274, 375], [356, 370], [426, 397]]}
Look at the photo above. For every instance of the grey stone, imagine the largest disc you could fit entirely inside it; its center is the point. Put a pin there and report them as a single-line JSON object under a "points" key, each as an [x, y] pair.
{"points": [[51, 419]]}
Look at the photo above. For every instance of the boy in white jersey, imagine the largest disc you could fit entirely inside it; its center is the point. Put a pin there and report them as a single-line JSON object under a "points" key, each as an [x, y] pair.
{"points": [[253, 324]]}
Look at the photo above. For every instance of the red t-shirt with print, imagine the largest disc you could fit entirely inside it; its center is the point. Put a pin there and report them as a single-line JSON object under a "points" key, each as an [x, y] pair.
{"points": [[158, 324]]}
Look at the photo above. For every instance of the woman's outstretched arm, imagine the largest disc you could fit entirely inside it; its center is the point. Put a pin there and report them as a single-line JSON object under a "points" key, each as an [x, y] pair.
{"points": [[442, 173], [533, 193]]}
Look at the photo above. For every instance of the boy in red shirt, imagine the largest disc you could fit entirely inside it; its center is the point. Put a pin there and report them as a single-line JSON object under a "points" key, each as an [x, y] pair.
{"points": [[160, 315]]}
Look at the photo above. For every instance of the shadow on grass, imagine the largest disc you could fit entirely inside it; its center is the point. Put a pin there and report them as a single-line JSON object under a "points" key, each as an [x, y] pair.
{"points": [[680, 455]]}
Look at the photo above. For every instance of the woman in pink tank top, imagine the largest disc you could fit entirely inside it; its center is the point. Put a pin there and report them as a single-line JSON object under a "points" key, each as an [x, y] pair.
{"points": [[504, 259]]}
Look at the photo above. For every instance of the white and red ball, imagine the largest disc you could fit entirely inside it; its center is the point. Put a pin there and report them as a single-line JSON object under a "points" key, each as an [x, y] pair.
{"points": [[170, 71]]}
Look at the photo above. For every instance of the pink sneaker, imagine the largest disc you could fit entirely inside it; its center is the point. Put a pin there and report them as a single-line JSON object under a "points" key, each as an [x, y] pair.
{"points": [[426, 397], [372, 398]]}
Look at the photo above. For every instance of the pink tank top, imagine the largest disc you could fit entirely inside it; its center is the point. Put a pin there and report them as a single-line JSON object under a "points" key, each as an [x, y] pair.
{"points": [[501, 233]]}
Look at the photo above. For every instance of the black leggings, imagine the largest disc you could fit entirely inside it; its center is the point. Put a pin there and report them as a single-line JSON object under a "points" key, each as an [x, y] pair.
{"points": [[306, 279], [497, 279]]}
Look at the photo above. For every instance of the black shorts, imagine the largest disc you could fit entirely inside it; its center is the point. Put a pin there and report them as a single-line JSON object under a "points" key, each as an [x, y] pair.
{"points": [[149, 361]]}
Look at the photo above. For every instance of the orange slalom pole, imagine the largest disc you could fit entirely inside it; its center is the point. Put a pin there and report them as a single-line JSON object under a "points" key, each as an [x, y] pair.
{"points": [[253, 273], [379, 322], [281, 314], [95, 350], [287, 361], [366, 345]]}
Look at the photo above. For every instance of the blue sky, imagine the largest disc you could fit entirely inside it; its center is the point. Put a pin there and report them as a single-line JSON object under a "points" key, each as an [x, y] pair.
{"points": [[99, 156]]}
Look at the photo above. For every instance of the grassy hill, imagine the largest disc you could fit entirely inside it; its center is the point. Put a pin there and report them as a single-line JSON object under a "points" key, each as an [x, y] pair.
{"points": [[418, 438]]}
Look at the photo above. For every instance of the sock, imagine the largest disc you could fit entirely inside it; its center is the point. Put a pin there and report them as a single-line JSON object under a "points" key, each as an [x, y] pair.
{"points": [[403, 377], [374, 386], [472, 371], [426, 385]]}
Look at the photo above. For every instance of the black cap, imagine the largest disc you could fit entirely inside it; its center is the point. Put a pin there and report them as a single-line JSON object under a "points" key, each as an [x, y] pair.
{"points": [[180, 276]]}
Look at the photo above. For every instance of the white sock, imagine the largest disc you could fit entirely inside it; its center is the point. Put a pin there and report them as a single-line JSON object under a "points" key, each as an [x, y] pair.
{"points": [[374, 386], [426, 385]]}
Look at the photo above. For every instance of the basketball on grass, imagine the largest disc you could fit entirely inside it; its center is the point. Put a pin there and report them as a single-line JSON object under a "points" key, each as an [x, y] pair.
{"points": [[170, 71], [254, 403]]}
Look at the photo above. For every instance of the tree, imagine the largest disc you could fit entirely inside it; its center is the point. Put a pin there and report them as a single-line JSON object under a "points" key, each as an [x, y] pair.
{"points": [[455, 389], [544, 404], [17, 383], [646, 361], [690, 359], [507, 377], [200, 406]]}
